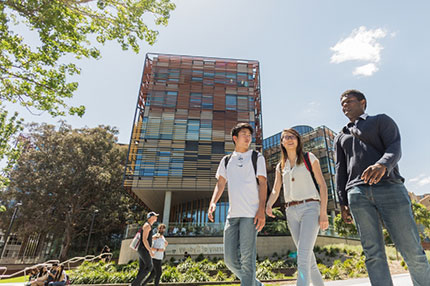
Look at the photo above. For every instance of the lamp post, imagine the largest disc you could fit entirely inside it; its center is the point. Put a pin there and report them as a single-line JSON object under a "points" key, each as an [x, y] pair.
{"points": [[6, 238], [91, 230]]}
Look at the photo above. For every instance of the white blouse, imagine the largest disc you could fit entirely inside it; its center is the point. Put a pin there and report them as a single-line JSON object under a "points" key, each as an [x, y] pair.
{"points": [[159, 243], [297, 181]]}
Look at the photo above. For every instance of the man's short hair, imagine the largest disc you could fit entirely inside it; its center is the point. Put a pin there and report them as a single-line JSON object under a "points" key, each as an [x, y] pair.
{"points": [[244, 125], [356, 93]]}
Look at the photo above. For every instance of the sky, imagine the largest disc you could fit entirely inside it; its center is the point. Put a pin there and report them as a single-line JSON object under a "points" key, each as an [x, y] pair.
{"points": [[309, 53]]}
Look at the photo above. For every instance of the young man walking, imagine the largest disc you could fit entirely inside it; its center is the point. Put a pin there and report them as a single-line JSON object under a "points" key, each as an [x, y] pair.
{"points": [[370, 187], [247, 198]]}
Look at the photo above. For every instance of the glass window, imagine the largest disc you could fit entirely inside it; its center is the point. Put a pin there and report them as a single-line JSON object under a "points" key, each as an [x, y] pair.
{"points": [[195, 99], [207, 101], [230, 102], [191, 146], [218, 148]]}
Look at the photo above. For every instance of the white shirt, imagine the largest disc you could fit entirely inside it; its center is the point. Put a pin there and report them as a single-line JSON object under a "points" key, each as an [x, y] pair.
{"points": [[242, 183], [297, 181], [159, 243]]}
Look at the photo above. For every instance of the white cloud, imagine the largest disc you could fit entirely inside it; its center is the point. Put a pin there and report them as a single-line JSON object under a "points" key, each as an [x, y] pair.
{"points": [[312, 107], [360, 45], [421, 180], [365, 70]]}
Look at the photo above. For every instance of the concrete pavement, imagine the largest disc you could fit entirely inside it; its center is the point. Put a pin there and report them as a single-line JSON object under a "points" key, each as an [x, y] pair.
{"points": [[398, 280]]}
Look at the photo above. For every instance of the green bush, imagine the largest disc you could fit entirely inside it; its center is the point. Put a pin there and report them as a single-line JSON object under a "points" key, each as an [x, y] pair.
{"points": [[194, 274], [171, 274]]}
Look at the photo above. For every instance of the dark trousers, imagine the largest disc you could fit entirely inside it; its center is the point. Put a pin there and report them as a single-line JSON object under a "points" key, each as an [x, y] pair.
{"points": [[145, 266], [156, 271]]}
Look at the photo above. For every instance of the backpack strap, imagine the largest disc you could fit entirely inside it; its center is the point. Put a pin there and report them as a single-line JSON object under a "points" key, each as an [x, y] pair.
{"points": [[254, 160], [227, 158], [308, 165]]}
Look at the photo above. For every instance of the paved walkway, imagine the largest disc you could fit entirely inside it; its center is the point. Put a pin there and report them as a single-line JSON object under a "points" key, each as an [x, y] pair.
{"points": [[398, 280]]}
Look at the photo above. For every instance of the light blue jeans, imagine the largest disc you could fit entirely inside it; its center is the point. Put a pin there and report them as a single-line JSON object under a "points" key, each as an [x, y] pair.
{"points": [[304, 226], [390, 203], [240, 249]]}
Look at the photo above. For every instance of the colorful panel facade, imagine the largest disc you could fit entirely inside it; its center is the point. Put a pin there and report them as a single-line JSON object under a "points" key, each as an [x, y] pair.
{"points": [[185, 111]]}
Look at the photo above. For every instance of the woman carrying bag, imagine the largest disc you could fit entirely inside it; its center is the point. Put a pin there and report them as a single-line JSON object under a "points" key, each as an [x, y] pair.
{"points": [[144, 249], [306, 207], [159, 244]]}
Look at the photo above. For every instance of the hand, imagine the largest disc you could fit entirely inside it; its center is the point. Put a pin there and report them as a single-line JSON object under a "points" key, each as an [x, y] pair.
{"points": [[211, 209], [269, 212], [323, 220], [259, 220], [373, 174], [152, 253], [346, 215]]}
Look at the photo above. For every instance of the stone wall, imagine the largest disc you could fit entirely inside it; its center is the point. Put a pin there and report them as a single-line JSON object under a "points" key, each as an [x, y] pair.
{"points": [[212, 246]]}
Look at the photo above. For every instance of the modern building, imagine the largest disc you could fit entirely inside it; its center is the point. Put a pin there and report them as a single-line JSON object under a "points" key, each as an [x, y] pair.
{"points": [[185, 110], [319, 141]]}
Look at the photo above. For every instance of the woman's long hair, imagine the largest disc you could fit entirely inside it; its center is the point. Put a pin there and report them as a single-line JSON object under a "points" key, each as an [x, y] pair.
{"points": [[59, 272], [299, 149], [161, 229]]}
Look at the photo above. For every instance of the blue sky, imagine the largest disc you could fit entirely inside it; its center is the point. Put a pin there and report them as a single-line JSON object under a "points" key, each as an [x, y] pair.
{"points": [[309, 52]]}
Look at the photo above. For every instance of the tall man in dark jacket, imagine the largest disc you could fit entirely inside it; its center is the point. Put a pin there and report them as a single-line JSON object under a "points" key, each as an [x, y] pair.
{"points": [[369, 186]]}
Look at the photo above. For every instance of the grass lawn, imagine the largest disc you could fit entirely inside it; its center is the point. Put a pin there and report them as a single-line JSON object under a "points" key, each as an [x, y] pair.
{"points": [[15, 280]]}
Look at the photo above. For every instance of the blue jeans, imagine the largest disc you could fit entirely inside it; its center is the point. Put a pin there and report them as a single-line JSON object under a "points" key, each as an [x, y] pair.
{"points": [[240, 249], [304, 226], [389, 203]]}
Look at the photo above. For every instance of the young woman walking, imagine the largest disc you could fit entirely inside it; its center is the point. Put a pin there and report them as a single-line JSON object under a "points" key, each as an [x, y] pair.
{"points": [[306, 208]]}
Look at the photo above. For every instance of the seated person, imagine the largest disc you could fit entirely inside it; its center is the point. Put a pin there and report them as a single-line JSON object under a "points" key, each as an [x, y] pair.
{"points": [[60, 278], [51, 274], [32, 275], [41, 277]]}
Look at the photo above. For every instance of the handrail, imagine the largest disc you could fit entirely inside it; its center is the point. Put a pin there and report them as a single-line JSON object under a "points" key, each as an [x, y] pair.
{"points": [[50, 262]]}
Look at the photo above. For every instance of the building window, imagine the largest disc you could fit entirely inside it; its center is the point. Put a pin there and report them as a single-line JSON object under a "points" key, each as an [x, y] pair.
{"points": [[193, 128], [195, 100], [230, 102]]}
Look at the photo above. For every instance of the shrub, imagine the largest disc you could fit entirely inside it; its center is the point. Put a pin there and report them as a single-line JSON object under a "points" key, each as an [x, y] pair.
{"points": [[194, 274], [265, 273], [171, 274]]}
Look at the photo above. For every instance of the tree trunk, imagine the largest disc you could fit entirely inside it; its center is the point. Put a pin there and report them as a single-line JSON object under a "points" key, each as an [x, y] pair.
{"points": [[67, 241]]}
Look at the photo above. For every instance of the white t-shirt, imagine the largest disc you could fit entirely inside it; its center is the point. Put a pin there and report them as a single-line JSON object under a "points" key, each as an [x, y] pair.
{"points": [[297, 181], [158, 243], [242, 183]]}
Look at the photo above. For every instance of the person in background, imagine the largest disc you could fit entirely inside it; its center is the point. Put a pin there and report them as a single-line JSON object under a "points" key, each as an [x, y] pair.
{"points": [[60, 278], [305, 207], [144, 249], [159, 244], [41, 277], [105, 257]]}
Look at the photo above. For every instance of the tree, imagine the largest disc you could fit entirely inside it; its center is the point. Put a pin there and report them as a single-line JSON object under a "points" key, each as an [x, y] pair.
{"points": [[344, 229], [37, 75], [62, 176]]}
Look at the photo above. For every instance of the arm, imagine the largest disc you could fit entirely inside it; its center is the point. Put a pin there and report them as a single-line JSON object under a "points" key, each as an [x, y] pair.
{"points": [[260, 217], [145, 232], [275, 193], [341, 179], [390, 136], [219, 189], [323, 219]]}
